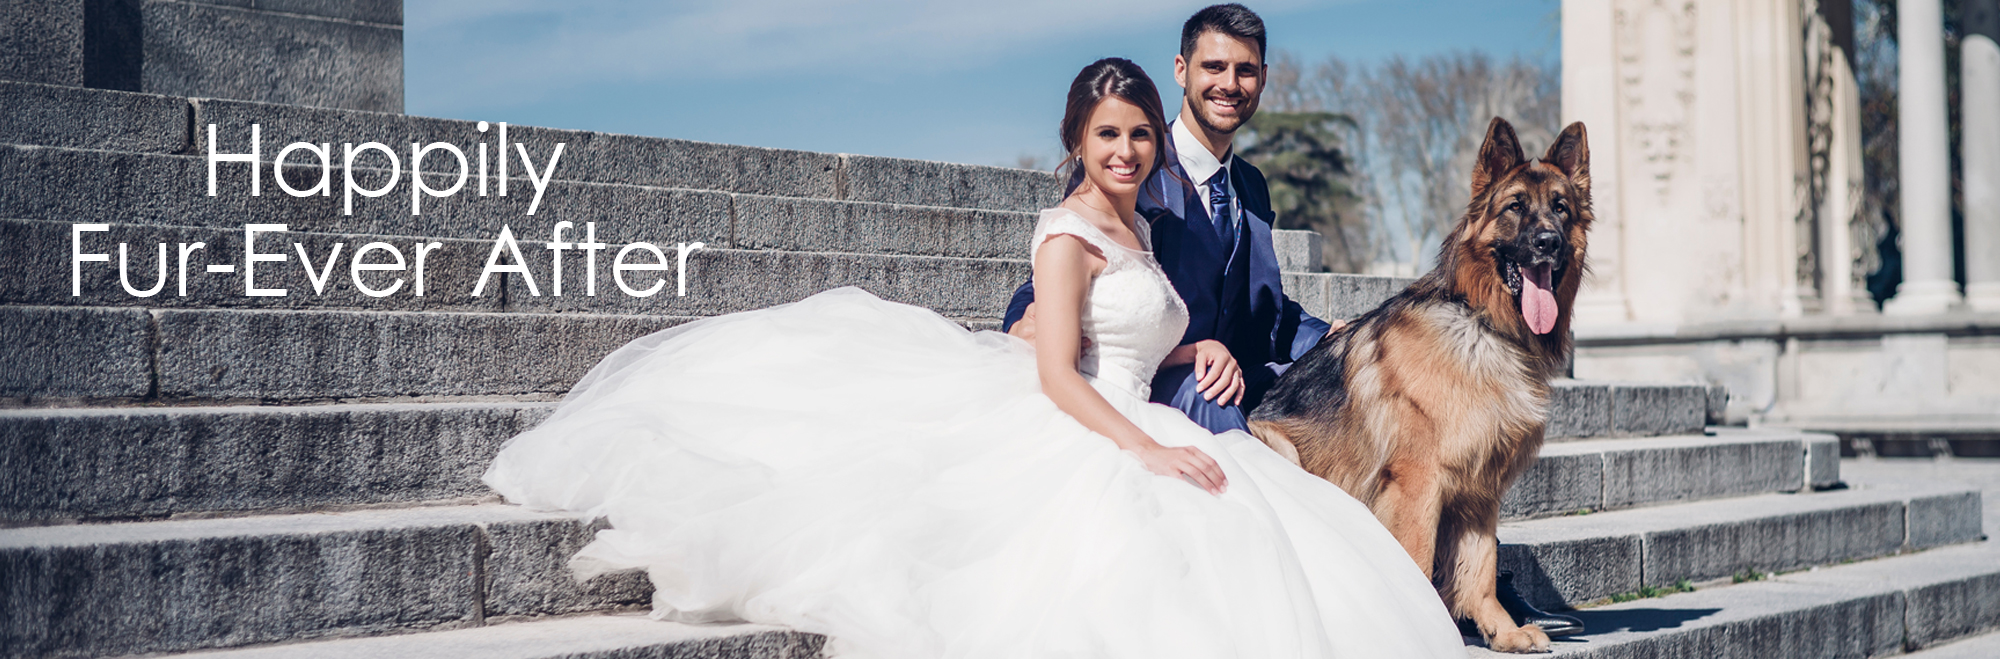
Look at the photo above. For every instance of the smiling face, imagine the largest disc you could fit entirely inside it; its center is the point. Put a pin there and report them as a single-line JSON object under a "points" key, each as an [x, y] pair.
{"points": [[1521, 244], [1118, 147], [1221, 81]]}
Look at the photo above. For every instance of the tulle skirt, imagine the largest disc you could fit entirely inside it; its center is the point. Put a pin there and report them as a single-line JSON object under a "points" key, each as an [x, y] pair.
{"points": [[873, 472]]}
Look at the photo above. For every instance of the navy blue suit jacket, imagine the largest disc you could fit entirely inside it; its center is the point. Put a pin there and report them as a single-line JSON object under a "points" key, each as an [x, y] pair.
{"points": [[1252, 317]]}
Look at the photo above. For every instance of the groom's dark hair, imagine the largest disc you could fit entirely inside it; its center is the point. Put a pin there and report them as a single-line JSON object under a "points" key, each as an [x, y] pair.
{"points": [[1232, 19]]}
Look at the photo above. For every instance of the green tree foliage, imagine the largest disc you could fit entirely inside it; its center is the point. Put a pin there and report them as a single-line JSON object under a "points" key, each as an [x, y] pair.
{"points": [[1310, 180]]}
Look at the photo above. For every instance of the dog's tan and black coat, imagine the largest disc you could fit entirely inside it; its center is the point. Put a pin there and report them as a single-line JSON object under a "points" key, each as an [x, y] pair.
{"points": [[1427, 408]]}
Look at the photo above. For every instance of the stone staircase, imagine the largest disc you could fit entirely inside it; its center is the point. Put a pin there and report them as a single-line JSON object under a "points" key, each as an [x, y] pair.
{"points": [[221, 474]]}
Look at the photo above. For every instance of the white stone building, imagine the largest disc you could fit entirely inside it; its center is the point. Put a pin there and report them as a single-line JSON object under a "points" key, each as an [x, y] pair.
{"points": [[1730, 249]]}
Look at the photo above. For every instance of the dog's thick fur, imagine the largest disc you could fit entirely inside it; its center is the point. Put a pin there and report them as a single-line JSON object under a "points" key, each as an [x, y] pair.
{"points": [[1428, 407]]}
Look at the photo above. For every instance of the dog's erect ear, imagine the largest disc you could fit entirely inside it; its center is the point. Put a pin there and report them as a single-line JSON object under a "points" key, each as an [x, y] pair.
{"points": [[1499, 154], [1571, 154]]}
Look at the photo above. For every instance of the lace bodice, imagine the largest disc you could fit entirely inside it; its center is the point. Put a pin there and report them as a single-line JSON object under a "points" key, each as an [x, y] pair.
{"points": [[1132, 314]]}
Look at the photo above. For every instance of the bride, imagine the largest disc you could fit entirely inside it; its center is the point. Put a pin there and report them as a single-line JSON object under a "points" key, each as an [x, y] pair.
{"points": [[873, 472]]}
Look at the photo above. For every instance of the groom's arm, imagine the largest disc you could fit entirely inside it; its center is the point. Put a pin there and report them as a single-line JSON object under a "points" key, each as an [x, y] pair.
{"points": [[1305, 330]]}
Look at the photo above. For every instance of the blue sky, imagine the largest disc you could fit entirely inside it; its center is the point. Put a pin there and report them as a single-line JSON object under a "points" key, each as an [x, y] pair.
{"points": [[962, 81]]}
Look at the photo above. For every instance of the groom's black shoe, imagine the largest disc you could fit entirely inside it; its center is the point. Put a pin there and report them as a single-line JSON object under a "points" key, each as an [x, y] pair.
{"points": [[1556, 626]]}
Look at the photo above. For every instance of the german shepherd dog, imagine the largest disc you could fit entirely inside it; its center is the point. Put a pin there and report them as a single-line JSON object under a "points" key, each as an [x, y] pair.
{"points": [[1428, 407]]}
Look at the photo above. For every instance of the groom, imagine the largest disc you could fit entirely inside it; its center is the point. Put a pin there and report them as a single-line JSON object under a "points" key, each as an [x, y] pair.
{"points": [[1211, 219]]}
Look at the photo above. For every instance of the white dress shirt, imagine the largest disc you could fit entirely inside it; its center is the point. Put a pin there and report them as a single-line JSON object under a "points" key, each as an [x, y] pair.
{"points": [[1199, 163]]}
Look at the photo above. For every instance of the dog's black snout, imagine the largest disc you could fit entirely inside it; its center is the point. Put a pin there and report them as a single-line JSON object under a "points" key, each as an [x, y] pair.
{"points": [[1545, 243]]}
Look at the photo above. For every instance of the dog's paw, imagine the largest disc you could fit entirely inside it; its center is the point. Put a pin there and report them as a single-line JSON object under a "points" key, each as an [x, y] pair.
{"points": [[1525, 639]]}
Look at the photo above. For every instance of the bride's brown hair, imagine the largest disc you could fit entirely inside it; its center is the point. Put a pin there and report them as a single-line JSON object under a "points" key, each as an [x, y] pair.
{"points": [[1105, 78]]}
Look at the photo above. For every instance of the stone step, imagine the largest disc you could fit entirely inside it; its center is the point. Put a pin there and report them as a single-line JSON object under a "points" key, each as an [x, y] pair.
{"points": [[1872, 608], [45, 115], [100, 589], [71, 185], [717, 281], [163, 355], [1594, 476], [1571, 561], [104, 589], [1986, 646], [59, 465], [36, 269], [582, 637], [538, 346], [138, 462], [1942, 595], [1596, 408]]}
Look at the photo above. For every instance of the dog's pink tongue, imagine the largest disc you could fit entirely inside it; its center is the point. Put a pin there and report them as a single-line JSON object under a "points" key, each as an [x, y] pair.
{"points": [[1538, 303]]}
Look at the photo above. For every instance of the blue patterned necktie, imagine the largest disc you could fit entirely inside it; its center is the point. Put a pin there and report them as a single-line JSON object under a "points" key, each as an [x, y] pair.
{"points": [[1221, 210]]}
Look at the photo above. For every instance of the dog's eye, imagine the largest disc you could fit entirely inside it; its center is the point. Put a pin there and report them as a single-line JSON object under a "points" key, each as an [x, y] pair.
{"points": [[1561, 207], [1516, 208]]}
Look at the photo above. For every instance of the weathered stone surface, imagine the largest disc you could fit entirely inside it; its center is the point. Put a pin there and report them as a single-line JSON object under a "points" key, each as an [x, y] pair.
{"points": [[1778, 543], [1311, 291], [928, 183], [1559, 574], [725, 281], [527, 572], [1857, 610], [50, 115], [53, 352], [1350, 296], [35, 269], [587, 156], [388, 12], [195, 49], [88, 186], [1555, 484], [1659, 472], [1984, 646], [1298, 251], [162, 586], [1610, 474], [1638, 409], [1943, 611], [1822, 461], [291, 355], [1578, 409], [1712, 539], [630, 636], [1943, 520], [42, 41], [136, 462], [1718, 405], [813, 225]]}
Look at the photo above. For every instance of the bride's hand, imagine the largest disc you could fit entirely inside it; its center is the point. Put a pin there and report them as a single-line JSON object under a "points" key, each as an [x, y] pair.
{"points": [[1185, 462], [1220, 378]]}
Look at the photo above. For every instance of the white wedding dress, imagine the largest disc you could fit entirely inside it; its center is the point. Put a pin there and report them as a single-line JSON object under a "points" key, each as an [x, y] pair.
{"points": [[876, 473]]}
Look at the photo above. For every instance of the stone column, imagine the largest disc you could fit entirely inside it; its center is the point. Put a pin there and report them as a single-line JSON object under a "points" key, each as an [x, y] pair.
{"points": [[1927, 287], [1771, 103], [1979, 89], [1590, 95], [1841, 292]]}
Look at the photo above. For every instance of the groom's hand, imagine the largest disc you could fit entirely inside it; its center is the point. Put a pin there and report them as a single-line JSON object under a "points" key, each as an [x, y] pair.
{"points": [[1336, 326], [1024, 329], [1219, 377]]}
